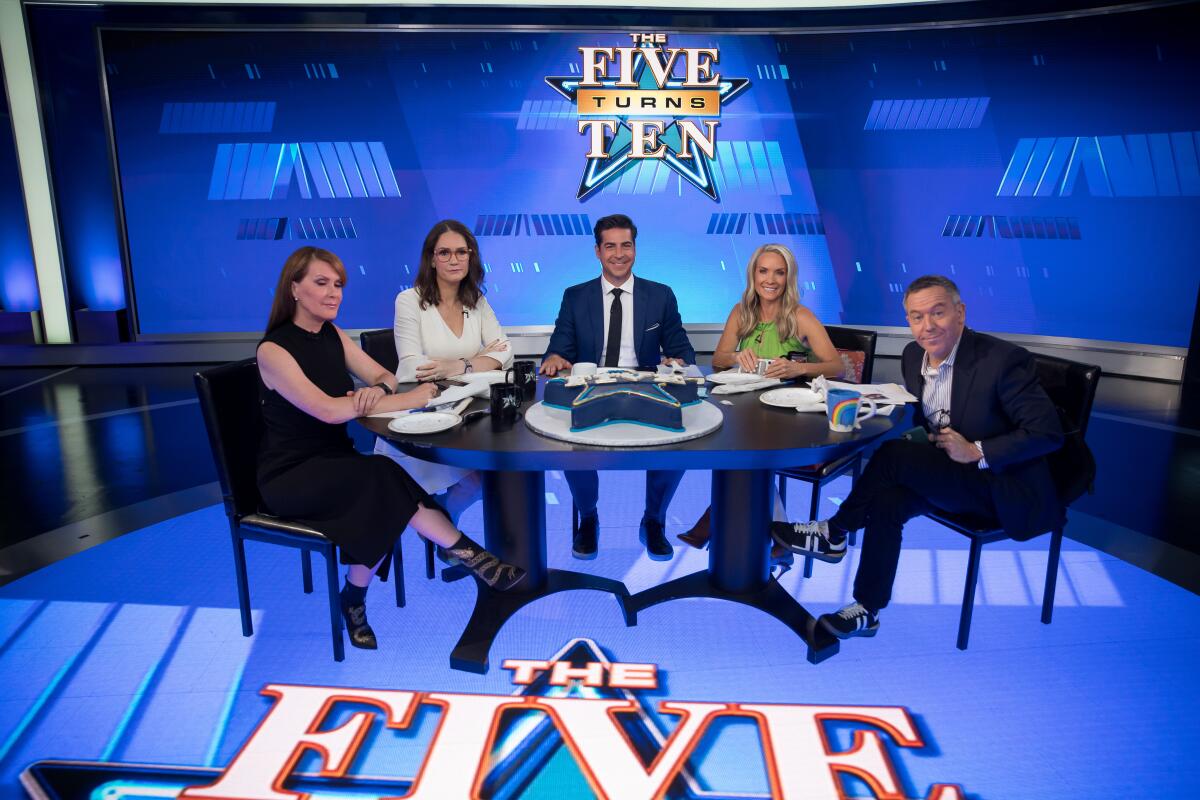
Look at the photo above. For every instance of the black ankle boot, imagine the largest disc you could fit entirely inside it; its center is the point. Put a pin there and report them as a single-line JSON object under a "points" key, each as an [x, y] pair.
{"points": [[486, 567], [354, 614]]}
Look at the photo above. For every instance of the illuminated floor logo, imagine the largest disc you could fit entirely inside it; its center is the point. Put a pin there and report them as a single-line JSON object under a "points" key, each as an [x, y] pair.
{"points": [[644, 111], [575, 711]]}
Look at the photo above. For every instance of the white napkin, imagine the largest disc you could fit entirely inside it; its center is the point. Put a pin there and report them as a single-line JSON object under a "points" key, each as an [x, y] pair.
{"points": [[687, 371], [736, 388], [457, 393], [892, 393]]}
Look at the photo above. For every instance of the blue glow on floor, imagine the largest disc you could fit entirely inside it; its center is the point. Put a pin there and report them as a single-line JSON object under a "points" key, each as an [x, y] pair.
{"points": [[1102, 703]]}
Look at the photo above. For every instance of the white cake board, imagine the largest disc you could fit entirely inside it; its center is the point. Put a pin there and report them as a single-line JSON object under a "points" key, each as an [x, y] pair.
{"points": [[699, 419]]}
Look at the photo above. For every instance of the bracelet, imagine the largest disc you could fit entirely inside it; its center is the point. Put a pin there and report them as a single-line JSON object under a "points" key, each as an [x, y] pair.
{"points": [[386, 389]]}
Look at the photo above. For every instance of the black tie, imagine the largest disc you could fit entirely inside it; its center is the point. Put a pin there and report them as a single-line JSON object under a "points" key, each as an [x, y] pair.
{"points": [[612, 353]]}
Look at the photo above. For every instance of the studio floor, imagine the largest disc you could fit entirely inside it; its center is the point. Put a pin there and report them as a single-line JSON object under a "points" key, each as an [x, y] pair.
{"points": [[120, 643]]}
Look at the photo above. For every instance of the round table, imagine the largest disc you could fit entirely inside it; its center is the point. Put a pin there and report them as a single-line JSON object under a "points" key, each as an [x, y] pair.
{"points": [[754, 440]]}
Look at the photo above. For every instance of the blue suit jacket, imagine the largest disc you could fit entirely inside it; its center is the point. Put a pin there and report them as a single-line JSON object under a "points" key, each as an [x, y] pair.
{"points": [[657, 329]]}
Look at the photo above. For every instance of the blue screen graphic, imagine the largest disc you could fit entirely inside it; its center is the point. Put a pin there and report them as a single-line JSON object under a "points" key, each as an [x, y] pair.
{"points": [[1030, 163]]}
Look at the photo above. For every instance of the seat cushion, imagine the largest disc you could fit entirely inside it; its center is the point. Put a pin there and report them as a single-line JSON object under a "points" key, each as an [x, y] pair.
{"points": [[279, 524]]}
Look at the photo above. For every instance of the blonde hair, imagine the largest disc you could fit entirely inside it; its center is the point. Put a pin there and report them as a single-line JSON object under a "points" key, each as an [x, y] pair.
{"points": [[749, 306]]}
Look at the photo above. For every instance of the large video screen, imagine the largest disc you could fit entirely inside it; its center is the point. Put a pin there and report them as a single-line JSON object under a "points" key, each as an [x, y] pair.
{"points": [[1051, 169]]}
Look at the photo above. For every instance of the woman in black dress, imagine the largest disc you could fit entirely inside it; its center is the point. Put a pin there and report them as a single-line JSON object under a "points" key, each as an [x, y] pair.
{"points": [[308, 469]]}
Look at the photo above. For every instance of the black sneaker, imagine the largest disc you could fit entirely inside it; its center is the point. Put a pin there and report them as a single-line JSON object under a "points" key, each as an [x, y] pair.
{"points": [[358, 628], [652, 535], [853, 620], [809, 539], [583, 546]]}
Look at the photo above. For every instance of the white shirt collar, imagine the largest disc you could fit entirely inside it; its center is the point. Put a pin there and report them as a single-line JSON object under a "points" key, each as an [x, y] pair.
{"points": [[627, 286], [949, 362]]}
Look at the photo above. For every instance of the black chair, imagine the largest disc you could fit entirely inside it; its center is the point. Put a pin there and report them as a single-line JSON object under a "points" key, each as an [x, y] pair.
{"points": [[232, 414], [381, 346], [1072, 388], [818, 475]]}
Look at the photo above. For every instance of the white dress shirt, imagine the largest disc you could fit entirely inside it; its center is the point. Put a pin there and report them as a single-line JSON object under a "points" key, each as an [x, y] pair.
{"points": [[935, 396], [628, 356], [421, 334]]}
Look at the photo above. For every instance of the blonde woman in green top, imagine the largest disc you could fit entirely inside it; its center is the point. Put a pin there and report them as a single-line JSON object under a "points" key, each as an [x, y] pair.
{"points": [[770, 322]]}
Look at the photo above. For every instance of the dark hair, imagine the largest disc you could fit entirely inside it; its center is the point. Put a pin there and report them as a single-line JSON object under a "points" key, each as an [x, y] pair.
{"points": [[283, 307], [934, 282], [471, 287], [614, 221]]}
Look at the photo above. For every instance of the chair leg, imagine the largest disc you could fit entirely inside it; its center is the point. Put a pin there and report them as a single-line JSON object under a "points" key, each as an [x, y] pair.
{"points": [[813, 503], [243, 584], [1051, 574], [428, 559], [855, 474], [398, 571], [335, 604], [574, 519], [306, 570], [783, 482], [968, 606]]}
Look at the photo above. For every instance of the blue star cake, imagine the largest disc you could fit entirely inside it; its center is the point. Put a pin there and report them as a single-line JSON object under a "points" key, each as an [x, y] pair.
{"points": [[637, 398]]}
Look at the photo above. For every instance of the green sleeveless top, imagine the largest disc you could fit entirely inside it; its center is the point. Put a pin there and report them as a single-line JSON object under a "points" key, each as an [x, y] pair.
{"points": [[764, 340]]}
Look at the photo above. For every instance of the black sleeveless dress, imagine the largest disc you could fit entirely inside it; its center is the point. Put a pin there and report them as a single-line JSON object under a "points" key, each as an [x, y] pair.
{"points": [[309, 471]]}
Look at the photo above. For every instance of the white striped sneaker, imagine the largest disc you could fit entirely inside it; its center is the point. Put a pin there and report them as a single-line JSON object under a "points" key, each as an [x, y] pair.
{"points": [[809, 539], [853, 620]]}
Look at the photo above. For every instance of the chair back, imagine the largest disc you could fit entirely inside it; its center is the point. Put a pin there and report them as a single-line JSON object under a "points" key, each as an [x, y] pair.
{"points": [[233, 416], [1072, 388], [856, 339], [381, 346]]}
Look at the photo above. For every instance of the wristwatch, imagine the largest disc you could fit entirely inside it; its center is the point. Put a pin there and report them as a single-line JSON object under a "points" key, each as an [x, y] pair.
{"points": [[467, 365]]}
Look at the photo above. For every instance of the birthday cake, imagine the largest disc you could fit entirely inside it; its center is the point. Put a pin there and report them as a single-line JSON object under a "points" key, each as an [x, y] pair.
{"points": [[641, 398]]}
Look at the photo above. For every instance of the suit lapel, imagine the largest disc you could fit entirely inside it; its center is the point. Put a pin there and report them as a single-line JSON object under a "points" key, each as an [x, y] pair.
{"points": [[594, 321], [639, 317], [964, 375]]}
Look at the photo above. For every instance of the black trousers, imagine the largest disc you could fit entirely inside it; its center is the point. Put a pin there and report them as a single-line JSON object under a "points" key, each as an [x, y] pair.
{"points": [[903, 480], [660, 488]]}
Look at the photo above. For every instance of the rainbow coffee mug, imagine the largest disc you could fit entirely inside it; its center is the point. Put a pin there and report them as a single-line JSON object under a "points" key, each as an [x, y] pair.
{"points": [[843, 407]]}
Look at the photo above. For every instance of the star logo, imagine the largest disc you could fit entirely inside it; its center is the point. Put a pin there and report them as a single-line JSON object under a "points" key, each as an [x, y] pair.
{"points": [[620, 140]]}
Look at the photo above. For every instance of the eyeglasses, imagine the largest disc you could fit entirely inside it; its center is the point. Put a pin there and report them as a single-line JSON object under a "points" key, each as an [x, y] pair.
{"points": [[939, 421], [446, 254]]}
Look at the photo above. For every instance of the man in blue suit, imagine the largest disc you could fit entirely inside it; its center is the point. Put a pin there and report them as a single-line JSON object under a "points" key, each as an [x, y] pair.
{"points": [[617, 321]]}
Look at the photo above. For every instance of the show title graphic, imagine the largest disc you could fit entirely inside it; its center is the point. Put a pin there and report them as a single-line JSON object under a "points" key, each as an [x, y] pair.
{"points": [[313, 741], [649, 101]]}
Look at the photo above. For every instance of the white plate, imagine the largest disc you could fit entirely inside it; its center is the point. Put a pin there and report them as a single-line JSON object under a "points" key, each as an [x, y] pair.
{"points": [[425, 422], [790, 397], [734, 377]]}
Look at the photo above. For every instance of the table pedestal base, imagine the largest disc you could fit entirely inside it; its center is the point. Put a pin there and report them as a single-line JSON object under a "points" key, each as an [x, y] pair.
{"points": [[772, 598], [493, 609]]}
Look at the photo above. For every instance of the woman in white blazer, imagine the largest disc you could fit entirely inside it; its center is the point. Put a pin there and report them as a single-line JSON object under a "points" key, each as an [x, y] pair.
{"points": [[445, 327]]}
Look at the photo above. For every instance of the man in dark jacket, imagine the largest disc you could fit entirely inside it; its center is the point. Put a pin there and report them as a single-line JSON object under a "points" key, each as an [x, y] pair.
{"points": [[989, 425]]}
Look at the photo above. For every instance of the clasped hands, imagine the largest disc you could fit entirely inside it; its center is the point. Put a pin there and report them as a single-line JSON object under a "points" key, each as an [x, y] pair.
{"points": [[438, 369], [554, 364], [367, 398], [956, 446]]}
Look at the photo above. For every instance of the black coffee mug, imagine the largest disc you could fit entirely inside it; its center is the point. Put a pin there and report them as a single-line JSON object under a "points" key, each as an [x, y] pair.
{"points": [[505, 403], [523, 374]]}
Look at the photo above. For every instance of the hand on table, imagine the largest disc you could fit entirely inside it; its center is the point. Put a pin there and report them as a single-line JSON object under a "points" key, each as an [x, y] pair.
{"points": [[365, 399], [421, 395], [674, 362], [747, 359], [554, 364], [440, 369], [785, 369], [957, 447]]}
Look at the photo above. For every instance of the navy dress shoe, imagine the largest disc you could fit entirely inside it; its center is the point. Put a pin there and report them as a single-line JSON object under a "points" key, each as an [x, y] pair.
{"points": [[655, 539], [583, 546]]}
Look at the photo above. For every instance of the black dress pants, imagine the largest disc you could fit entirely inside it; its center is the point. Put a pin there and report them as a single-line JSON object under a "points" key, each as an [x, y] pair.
{"points": [[903, 480]]}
